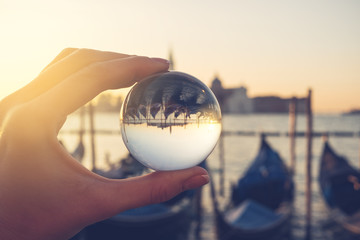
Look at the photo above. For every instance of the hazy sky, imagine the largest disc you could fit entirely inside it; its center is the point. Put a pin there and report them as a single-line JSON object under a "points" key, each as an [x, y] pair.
{"points": [[271, 47]]}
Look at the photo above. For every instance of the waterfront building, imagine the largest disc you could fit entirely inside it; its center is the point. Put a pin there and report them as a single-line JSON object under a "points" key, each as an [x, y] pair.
{"points": [[236, 101]]}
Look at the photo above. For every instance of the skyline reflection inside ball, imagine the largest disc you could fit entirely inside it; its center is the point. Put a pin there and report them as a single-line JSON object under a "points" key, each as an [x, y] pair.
{"points": [[170, 121]]}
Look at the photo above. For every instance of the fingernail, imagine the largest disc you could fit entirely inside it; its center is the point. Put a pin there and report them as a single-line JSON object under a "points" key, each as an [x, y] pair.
{"points": [[197, 181], [206, 178], [161, 60]]}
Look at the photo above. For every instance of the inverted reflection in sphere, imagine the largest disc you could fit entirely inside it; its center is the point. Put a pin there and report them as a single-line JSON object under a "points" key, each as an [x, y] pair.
{"points": [[170, 121]]}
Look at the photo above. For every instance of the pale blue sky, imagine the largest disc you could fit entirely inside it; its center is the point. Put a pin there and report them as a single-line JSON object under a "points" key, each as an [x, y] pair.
{"points": [[272, 47]]}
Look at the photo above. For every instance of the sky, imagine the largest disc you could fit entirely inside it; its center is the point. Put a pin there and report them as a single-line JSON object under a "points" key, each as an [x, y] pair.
{"points": [[271, 47]]}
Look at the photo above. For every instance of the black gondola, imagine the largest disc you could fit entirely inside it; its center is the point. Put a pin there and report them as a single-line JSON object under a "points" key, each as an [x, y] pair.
{"points": [[261, 201], [340, 186], [79, 151], [168, 220]]}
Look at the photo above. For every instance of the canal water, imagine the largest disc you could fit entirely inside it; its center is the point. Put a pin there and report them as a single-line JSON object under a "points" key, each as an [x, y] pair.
{"points": [[239, 151]]}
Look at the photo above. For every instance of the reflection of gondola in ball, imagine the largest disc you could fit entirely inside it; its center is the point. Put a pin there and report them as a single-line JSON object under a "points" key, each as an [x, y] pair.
{"points": [[170, 121]]}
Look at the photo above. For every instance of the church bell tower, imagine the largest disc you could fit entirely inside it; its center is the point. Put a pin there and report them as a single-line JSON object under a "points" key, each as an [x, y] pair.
{"points": [[171, 60]]}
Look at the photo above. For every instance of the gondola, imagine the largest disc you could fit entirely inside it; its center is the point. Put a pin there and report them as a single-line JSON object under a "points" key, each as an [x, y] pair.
{"points": [[79, 151], [340, 187], [261, 201], [168, 220]]}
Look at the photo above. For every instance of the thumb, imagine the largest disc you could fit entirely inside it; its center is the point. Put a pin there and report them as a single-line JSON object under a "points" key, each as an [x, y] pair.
{"points": [[120, 195]]}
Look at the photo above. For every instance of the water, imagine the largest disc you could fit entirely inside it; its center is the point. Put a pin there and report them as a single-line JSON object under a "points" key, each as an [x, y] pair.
{"points": [[239, 152]]}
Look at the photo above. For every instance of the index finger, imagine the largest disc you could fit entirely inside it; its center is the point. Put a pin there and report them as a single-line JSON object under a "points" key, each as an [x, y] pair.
{"points": [[64, 53], [68, 62], [83, 86]]}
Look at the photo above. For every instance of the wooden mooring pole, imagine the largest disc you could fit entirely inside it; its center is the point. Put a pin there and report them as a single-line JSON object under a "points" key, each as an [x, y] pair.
{"points": [[292, 133], [222, 164], [92, 137], [309, 126]]}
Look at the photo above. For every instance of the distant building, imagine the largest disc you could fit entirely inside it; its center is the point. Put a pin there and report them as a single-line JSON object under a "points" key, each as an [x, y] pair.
{"points": [[353, 112], [236, 100]]}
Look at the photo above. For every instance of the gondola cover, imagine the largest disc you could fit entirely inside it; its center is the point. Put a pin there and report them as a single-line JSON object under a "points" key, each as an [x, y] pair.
{"points": [[267, 181], [339, 182]]}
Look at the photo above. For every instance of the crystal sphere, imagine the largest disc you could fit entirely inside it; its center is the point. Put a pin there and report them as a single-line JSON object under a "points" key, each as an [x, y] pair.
{"points": [[170, 121]]}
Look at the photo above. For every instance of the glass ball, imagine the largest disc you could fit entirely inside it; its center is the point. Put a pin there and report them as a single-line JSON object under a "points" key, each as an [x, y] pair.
{"points": [[170, 121]]}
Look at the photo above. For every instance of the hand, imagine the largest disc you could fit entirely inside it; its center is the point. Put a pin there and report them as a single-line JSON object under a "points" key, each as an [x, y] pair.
{"points": [[44, 192]]}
